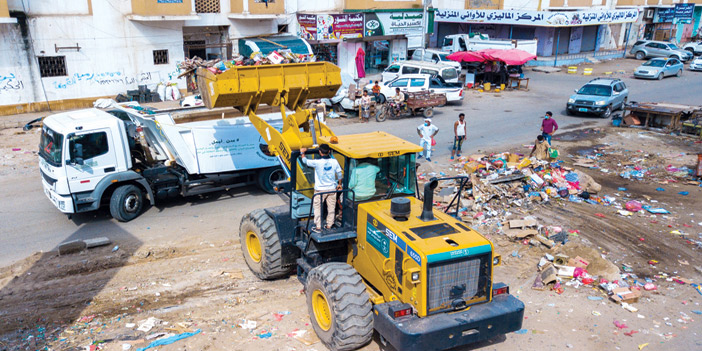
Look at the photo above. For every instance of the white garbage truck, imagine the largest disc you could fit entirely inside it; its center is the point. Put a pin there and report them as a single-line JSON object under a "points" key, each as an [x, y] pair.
{"points": [[126, 154]]}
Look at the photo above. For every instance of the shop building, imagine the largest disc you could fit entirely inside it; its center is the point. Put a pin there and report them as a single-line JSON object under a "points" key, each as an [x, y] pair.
{"points": [[679, 23], [557, 32]]}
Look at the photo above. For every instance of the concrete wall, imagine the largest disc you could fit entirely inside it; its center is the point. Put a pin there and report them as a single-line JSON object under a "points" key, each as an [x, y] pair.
{"points": [[382, 4], [154, 8], [115, 54]]}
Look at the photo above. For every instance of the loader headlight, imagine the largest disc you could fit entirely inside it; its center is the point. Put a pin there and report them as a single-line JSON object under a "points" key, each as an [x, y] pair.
{"points": [[496, 260], [414, 277]]}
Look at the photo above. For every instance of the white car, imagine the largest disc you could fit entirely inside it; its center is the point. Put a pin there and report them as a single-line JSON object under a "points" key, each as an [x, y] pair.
{"points": [[696, 65], [435, 56], [419, 82], [694, 47]]}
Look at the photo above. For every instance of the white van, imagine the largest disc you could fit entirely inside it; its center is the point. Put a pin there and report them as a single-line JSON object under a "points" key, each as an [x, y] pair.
{"points": [[448, 73], [434, 56]]}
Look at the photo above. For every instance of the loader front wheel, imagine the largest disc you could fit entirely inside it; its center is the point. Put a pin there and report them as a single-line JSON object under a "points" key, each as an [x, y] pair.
{"points": [[339, 306], [260, 245]]}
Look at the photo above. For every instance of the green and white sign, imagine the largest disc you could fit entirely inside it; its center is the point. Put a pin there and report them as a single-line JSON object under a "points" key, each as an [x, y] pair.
{"points": [[378, 240], [409, 24]]}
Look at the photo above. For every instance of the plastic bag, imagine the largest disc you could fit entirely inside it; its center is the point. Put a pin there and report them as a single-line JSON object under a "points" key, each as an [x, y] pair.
{"points": [[175, 91], [433, 142], [552, 152], [169, 93], [161, 90], [633, 206]]}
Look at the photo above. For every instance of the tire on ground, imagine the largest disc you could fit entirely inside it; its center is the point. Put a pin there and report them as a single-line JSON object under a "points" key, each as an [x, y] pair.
{"points": [[268, 265], [267, 176], [349, 307], [126, 203]]}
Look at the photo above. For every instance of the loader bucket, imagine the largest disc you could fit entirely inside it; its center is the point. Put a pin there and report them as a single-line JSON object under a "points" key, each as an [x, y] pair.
{"points": [[246, 87]]}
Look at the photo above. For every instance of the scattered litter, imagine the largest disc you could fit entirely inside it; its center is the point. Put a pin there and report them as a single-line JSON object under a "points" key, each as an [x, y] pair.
{"points": [[248, 324], [146, 325], [522, 331], [169, 340]]}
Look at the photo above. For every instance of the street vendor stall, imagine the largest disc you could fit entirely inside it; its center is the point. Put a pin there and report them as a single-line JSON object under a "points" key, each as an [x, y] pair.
{"points": [[496, 66]]}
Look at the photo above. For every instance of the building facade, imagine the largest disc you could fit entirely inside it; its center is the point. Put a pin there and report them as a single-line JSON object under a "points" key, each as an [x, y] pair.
{"points": [[65, 54]]}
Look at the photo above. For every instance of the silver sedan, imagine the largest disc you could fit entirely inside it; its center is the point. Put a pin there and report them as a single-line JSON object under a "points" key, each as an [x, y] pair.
{"points": [[658, 68]]}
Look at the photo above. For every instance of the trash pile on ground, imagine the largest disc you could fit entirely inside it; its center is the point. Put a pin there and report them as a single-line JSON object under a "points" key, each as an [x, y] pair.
{"points": [[255, 59], [502, 184]]}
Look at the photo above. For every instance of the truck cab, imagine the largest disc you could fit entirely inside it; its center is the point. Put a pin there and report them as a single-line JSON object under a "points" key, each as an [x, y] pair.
{"points": [[81, 152]]}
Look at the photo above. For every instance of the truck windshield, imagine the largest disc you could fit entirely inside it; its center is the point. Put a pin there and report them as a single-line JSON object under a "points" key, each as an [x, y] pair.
{"points": [[50, 146], [375, 178]]}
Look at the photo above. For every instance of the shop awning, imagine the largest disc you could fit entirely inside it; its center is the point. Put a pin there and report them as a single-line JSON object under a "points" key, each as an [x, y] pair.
{"points": [[266, 45]]}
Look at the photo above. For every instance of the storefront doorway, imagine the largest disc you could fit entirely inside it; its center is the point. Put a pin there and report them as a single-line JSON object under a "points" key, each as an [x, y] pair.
{"points": [[326, 52], [377, 56]]}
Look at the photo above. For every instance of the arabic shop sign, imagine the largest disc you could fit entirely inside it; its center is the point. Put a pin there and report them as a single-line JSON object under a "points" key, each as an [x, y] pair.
{"points": [[664, 15], [538, 18], [683, 12], [330, 27], [409, 24]]}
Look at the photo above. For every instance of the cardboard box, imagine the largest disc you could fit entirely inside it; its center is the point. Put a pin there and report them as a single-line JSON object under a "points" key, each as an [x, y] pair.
{"points": [[628, 295], [578, 262]]}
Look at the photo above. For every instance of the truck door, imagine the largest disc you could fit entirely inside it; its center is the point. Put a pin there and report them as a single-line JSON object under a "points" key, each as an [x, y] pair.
{"points": [[462, 44], [91, 156]]}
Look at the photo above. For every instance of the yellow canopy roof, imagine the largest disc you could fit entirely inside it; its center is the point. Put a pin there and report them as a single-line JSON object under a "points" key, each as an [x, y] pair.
{"points": [[373, 145]]}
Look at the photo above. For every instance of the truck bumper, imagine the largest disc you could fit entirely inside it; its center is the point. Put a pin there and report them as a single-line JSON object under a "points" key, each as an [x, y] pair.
{"points": [[63, 202], [448, 330]]}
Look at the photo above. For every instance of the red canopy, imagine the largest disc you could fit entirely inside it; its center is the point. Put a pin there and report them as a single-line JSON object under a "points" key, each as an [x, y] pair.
{"points": [[512, 57], [467, 56]]}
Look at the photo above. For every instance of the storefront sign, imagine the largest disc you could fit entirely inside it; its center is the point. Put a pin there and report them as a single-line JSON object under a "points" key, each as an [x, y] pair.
{"points": [[538, 18], [308, 26], [339, 27], [684, 12], [409, 24], [664, 15]]}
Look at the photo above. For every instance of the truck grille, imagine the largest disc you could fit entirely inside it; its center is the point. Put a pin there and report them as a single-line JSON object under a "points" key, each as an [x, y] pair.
{"points": [[456, 284], [583, 102]]}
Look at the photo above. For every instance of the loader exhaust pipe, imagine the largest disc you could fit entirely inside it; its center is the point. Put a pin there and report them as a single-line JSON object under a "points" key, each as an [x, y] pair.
{"points": [[428, 209]]}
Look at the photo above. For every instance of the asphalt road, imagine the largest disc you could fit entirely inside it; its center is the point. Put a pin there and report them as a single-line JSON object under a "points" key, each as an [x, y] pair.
{"points": [[30, 223]]}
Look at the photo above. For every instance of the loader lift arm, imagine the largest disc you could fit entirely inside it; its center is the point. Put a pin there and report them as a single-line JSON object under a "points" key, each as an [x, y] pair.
{"points": [[287, 86]]}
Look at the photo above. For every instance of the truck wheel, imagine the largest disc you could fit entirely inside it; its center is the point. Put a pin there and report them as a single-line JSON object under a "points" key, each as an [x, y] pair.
{"points": [[126, 203], [260, 245], [267, 178], [428, 112], [339, 306], [640, 55]]}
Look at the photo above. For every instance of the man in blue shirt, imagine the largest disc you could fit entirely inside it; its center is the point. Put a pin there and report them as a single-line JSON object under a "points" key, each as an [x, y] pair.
{"points": [[327, 177]]}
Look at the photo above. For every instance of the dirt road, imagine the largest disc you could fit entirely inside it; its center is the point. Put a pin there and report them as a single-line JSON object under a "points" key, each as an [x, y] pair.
{"points": [[201, 282]]}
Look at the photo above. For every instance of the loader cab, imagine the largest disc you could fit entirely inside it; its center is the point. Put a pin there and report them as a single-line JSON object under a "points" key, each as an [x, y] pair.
{"points": [[376, 166]]}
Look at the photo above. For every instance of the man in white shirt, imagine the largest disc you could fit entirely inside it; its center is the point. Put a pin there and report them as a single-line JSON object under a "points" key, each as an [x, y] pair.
{"points": [[426, 132], [327, 177]]}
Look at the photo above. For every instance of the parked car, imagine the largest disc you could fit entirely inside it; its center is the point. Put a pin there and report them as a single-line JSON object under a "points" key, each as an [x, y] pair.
{"points": [[434, 56], [648, 48], [658, 68], [696, 65], [448, 73], [694, 47], [599, 96], [419, 82]]}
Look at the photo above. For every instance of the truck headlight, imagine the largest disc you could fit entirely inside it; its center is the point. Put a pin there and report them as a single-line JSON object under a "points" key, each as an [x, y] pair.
{"points": [[571, 101], [601, 102], [414, 277]]}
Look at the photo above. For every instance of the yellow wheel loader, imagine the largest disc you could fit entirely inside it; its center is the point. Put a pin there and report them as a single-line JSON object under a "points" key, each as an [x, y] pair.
{"points": [[418, 276]]}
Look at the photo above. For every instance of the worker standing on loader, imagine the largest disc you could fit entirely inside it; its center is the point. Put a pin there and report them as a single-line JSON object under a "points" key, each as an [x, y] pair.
{"points": [[327, 177]]}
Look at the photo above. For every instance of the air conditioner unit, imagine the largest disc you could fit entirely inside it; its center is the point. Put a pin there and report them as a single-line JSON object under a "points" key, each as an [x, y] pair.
{"points": [[649, 13]]}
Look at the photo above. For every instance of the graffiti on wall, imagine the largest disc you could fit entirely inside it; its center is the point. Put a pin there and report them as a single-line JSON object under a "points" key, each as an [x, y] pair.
{"points": [[107, 78], [9, 82]]}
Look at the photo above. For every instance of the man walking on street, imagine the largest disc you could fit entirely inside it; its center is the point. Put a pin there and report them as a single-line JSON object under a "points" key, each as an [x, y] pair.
{"points": [[426, 132], [365, 107], [327, 177], [548, 126], [459, 131]]}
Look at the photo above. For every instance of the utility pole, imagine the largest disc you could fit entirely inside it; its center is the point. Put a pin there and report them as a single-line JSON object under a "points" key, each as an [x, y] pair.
{"points": [[425, 5]]}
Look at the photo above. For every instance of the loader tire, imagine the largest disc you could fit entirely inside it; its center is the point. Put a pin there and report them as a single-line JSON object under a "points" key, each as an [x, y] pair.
{"points": [[339, 306], [126, 203], [260, 245]]}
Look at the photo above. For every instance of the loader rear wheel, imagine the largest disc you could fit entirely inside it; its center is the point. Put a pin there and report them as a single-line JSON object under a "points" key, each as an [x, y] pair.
{"points": [[339, 306], [260, 245]]}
